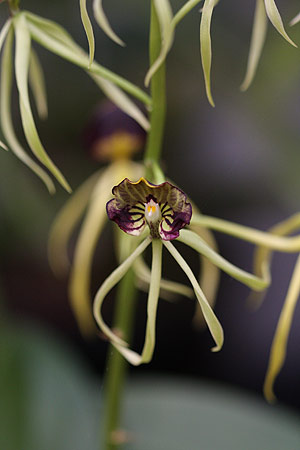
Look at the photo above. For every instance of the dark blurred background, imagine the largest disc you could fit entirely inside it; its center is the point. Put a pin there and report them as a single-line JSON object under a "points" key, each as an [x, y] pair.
{"points": [[239, 161]]}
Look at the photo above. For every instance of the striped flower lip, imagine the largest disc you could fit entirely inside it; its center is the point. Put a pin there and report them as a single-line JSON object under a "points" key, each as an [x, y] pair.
{"points": [[164, 208]]}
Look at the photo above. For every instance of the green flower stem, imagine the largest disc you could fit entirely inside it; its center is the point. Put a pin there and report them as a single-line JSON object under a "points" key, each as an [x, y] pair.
{"points": [[158, 93], [117, 366]]}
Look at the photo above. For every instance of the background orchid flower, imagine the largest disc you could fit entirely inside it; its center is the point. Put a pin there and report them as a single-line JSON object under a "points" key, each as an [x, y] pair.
{"points": [[157, 215], [110, 136], [265, 9], [26, 27]]}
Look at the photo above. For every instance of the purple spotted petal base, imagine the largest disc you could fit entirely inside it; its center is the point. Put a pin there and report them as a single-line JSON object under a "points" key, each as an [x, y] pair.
{"points": [[128, 208]]}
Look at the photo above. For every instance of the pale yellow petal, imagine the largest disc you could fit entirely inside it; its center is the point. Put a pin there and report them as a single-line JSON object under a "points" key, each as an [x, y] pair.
{"points": [[210, 317], [263, 256], [279, 344], [6, 119], [194, 241], [38, 85], [103, 23], [64, 225], [209, 274], [96, 217], [276, 20], [106, 287], [22, 56], [169, 290], [205, 45], [88, 30], [284, 244], [257, 42]]}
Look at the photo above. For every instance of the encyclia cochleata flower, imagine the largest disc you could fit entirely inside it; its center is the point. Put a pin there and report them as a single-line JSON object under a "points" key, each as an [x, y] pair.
{"points": [[112, 137], [157, 215]]}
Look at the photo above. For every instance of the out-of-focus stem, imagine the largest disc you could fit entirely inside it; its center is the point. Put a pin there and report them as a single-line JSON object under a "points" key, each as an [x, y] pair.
{"points": [[117, 366]]}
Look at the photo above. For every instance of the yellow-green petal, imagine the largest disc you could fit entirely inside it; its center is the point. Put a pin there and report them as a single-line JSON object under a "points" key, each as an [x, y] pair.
{"points": [[257, 42], [153, 296], [5, 115], [103, 23], [284, 244], [53, 37], [168, 289], [117, 96], [263, 255], [164, 13], [23, 45], [209, 273], [4, 31], [210, 317], [169, 37], [276, 20], [37, 84], [65, 223], [194, 241], [183, 11], [108, 285], [279, 344], [96, 217], [205, 45], [88, 30]]}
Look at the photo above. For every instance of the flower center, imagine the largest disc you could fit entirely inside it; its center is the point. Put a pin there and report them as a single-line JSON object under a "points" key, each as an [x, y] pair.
{"points": [[152, 212]]}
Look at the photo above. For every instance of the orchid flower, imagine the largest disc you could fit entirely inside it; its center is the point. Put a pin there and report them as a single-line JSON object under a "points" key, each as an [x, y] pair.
{"points": [[265, 9], [110, 136], [157, 215], [25, 27]]}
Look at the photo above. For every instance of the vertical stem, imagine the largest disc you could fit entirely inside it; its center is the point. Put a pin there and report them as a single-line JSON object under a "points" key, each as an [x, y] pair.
{"points": [[158, 94], [117, 366]]}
